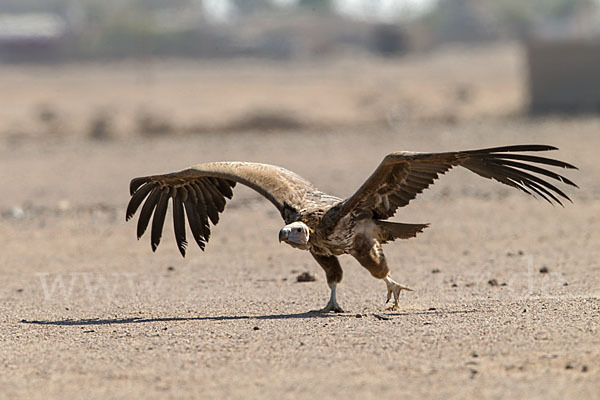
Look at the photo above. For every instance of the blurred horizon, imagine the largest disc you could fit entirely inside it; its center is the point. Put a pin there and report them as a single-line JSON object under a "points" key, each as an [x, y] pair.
{"points": [[66, 30]]}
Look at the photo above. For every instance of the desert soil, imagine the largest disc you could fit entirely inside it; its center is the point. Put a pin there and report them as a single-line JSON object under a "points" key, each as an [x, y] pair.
{"points": [[506, 299]]}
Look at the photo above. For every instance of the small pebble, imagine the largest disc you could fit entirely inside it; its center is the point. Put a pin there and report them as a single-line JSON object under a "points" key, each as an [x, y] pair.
{"points": [[358, 315], [256, 328], [493, 282], [171, 268], [431, 309], [435, 271], [584, 368], [544, 270], [568, 366], [306, 277]]}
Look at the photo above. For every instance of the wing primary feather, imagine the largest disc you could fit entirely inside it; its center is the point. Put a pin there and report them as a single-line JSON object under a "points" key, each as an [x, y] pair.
{"points": [[159, 220], [147, 210], [223, 187], [211, 209], [137, 182], [179, 225], [536, 169], [137, 198], [536, 159], [217, 197], [521, 176], [514, 148], [201, 208], [194, 221]]}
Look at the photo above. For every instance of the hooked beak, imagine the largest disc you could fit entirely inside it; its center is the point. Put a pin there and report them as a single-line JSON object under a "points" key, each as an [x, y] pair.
{"points": [[284, 233]]}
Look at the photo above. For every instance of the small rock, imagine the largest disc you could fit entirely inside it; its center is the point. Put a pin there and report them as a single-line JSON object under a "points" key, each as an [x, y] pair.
{"points": [[256, 328], [584, 368], [566, 284], [63, 205], [524, 310], [544, 270], [569, 366], [170, 268], [306, 277], [19, 290], [89, 331], [493, 282], [470, 284], [454, 285], [16, 212], [521, 252], [435, 271], [474, 355], [358, 315], [431, 309]]}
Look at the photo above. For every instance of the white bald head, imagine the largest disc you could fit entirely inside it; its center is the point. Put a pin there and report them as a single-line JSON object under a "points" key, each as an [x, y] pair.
{"points": [[295, 234]]}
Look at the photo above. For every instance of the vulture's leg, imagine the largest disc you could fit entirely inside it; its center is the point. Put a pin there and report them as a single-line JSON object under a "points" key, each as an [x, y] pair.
{"points": [[369, 254], [334, 273]]}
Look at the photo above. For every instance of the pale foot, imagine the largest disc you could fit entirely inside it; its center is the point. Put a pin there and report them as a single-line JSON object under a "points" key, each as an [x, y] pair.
{"points": [[394, 288], [332, 305]]}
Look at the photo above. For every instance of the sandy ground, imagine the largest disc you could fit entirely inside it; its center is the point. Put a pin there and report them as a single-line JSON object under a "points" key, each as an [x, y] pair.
{"points": [[89, 312]]}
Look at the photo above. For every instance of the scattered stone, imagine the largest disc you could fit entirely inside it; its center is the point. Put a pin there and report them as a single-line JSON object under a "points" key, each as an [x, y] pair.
{"points": [[474, 355], [473, 372], [89, 331], [19, 290], [170, 268], [15, 212], [521, 252], [63, 205], [435, 271], [358, 315], [504, 284], [382, 317], [454, 285], [566, 284], [524, 310], [584, 368], [306, 277], [493, 282], [431, 309], [569, 366], [256, 328], [544, 270]]}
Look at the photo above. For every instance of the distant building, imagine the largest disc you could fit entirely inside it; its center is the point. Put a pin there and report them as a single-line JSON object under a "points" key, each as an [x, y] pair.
{"points": [[31, 37], [564, 75]]}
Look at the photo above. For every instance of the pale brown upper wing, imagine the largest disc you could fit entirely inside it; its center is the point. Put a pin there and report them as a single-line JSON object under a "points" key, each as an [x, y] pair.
{"points": [[201, 192], [403, 175]]}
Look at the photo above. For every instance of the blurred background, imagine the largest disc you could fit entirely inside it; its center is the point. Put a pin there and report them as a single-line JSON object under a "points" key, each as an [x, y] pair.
{"points": [[109, 69]]}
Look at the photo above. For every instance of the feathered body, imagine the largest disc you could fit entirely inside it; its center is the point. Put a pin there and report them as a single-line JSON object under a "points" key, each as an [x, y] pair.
{"points": [[326, 225]]}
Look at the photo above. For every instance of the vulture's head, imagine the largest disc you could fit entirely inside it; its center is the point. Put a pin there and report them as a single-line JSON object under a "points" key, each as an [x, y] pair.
{"points": [[295, 234]]}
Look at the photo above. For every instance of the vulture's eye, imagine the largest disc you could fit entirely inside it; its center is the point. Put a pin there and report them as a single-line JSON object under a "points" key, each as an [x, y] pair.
{"points": [[298, 230]]}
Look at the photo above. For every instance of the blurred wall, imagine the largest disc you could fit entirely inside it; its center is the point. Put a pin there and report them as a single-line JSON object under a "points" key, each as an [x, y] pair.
{"points": [[564, 75]]}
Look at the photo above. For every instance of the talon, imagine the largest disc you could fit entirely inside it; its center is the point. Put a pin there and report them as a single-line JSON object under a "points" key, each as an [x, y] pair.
{"points": [[395, 289]]}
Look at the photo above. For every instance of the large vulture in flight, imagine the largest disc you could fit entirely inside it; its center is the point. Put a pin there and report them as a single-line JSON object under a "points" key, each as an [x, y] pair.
{"points": [[325, 225]]}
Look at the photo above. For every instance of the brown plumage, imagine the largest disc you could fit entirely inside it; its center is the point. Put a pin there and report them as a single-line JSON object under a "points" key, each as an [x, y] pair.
{"points": [[326, 225]]}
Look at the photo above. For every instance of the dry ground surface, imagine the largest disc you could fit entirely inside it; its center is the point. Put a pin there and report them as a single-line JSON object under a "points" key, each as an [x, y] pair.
{"points": [[89, 312]]}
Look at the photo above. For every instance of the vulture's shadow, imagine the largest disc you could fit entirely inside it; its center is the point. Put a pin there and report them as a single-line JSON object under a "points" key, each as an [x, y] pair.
{"points": [[310, 315]]}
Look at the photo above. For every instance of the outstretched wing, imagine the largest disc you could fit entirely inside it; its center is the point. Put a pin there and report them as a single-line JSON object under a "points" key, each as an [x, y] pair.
{"points": [[402, 176], [201, 192]]}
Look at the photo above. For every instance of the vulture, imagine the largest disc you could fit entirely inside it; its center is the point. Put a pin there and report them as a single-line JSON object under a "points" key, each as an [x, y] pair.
{"points": [[329, 226]]}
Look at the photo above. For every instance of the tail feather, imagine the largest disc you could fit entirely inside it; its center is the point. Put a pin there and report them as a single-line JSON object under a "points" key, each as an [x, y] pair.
{"points": [[389, 231]]}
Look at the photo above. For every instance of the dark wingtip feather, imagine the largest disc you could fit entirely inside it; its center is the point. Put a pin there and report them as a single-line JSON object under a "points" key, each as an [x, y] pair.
{"points": [[136, 183]]}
